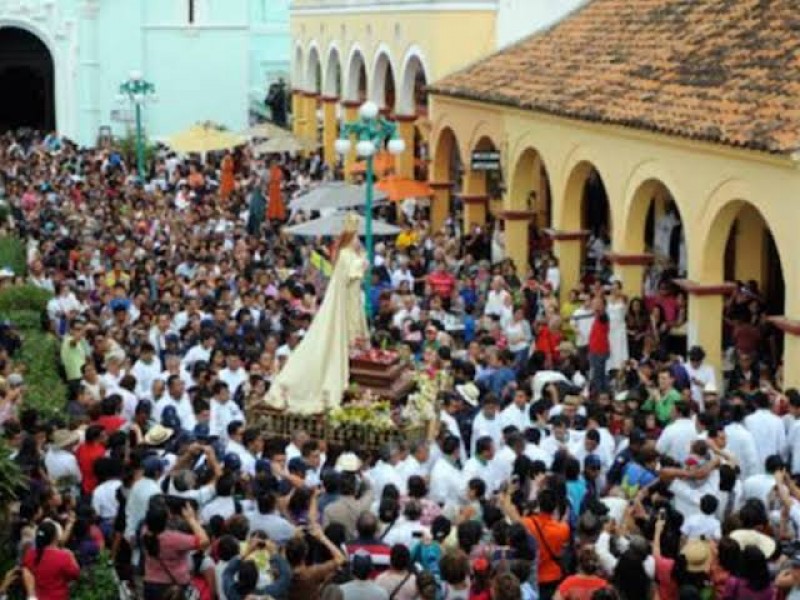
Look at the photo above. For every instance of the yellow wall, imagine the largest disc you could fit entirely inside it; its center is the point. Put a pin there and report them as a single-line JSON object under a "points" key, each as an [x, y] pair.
{"points": [[711, 185], [430, 34]]}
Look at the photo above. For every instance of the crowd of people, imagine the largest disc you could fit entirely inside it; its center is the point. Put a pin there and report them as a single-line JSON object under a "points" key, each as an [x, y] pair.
{"points": [[583, 452]]}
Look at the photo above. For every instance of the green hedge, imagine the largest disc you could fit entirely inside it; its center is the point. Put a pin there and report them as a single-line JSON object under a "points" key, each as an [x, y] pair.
{"points": [[23, 298], [13, 254], [46, 391]]}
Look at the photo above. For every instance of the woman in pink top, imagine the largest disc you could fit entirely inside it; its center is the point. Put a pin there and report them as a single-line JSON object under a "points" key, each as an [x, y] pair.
{"points": [[167, 551]]}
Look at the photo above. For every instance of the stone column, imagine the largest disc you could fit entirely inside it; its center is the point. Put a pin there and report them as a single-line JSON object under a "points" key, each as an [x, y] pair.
{"points": [[791, 350], [706, 303], [474, 198], [440, 203], [405, 162], [330, 129], [298, 105], [568, 248], [311, 129], [630, 269], [516, 238], [350, 115]]}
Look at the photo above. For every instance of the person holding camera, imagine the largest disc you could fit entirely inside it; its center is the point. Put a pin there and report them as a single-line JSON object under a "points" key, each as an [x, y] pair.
{"points": [[167, 551]]}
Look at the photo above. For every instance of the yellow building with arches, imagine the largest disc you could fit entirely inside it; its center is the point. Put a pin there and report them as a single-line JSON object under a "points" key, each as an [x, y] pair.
{"points": [[695, 105], [389, 51]]}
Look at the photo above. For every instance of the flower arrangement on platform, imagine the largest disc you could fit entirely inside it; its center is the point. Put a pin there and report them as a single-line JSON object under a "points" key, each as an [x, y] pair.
{"points": [[363, 409], [421, 406]]}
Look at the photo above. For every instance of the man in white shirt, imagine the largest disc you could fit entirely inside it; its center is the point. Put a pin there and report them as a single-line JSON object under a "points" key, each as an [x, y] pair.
{"points": [[234, 374], [451, 404], [518, 412], [145, 487], [701, 375], [223, 411], [760, 486], [447, 480], [224, 505], [246, 444], [59, 460], [677, 437], [177, 397], [146, 370], [417, 462], [481, 464], [742, 444], [506, 457], [267, 519], [386, 471], [199, 352], [767, 428], [582, 320], [487, 422]]}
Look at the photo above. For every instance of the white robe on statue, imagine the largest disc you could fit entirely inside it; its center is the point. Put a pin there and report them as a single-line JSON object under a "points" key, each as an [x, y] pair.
{"points": [[318, 371]]}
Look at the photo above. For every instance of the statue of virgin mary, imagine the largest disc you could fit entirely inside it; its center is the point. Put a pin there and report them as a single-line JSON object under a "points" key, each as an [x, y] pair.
{"points": [[317, 372]]}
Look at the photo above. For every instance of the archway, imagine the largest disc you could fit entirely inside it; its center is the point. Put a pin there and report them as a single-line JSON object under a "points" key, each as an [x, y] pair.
{"points": [[413, 92], [356, 86], [383, 86], [447, 170], [313, 77], [298, 69], [27, 78], [586, 208], [333, 75], [528, 211], [740, 247], [655, 225]]}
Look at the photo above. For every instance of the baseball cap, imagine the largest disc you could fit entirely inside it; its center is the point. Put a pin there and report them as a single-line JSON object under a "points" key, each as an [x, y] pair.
{"points": [[153, 466], [592, 461], [638, 437], [232, 462], [170, 418]]}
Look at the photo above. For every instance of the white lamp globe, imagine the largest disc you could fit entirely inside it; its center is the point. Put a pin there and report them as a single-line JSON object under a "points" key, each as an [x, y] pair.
{"points": [[138, 98], [396, 146], [342, 146], [368, 110], [365, 148], [135, 75], [120, 98]]}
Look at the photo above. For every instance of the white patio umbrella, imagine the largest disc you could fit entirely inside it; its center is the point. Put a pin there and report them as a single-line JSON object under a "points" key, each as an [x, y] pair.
{"points": [[287, 143], [333, 225], [334, 195], [266, 131]]}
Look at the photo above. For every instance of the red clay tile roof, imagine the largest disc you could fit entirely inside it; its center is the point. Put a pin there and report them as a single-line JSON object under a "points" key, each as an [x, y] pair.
{"points": [[726, 71]]}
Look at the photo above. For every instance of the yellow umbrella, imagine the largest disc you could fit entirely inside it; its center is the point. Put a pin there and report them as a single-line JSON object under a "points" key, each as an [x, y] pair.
{"points": [[204, 137], [266, 131], [279, 145]]}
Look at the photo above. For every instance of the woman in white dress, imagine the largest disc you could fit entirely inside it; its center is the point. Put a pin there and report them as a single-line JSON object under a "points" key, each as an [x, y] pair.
{"points": [[617, 308], [318, 370]]}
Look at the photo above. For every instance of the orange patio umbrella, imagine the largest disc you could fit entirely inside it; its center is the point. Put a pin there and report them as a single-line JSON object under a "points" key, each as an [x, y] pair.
{"points": [[382, 163], [399, 188]]}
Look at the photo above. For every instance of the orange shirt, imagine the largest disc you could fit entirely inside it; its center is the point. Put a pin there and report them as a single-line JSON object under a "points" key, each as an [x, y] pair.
{"points": [[556, 533], [581, 587]]}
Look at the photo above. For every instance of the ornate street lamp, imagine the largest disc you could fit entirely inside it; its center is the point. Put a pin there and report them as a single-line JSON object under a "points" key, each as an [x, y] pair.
{"points": [[137, 91], [371, 132]]}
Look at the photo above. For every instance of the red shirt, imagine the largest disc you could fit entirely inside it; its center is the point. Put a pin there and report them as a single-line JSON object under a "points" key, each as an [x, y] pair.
{"points": [[442, 283], [173, 551], [110, 423], [53, 573], [87, 454], [598, 336]]}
